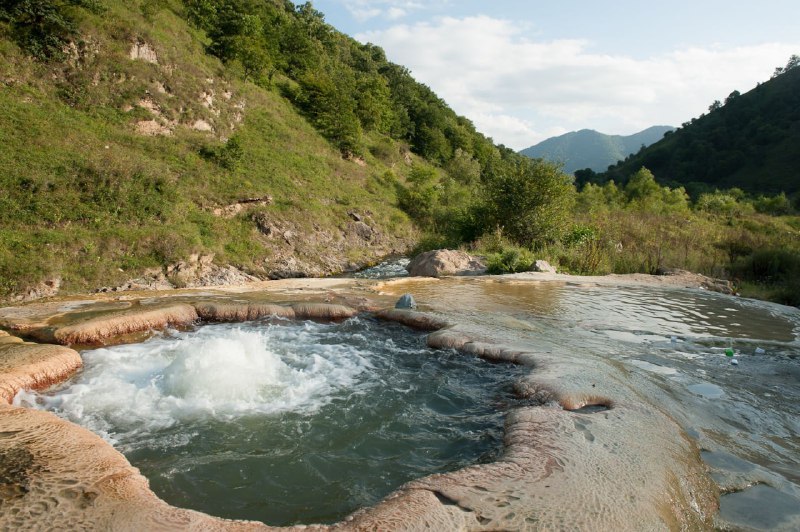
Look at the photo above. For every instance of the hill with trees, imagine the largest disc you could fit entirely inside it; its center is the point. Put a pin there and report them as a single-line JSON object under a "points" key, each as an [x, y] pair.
{"points": [[749, 141], [588, 148], [161, 138]]}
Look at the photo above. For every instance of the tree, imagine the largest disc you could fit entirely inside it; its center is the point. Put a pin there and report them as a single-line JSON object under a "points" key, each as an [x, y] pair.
{"points": [[529, 199], [464, 168], [732, 96], [714, 106], [43, 27], [326, 100], [373, 103], [420, 196], [642, 187]]}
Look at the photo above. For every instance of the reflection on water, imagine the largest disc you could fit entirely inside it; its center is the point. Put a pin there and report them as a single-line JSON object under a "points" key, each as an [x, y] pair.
{"points": [[673, 341], [666, 312]]}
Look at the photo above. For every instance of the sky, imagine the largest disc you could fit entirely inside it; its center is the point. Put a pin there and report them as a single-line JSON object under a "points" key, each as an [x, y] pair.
{"points": [[524, 71]]}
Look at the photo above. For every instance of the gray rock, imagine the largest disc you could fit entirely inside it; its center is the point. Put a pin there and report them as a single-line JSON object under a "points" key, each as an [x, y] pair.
{"points": [[543, 266], [406, 301], [362, 230], [444, 262]]}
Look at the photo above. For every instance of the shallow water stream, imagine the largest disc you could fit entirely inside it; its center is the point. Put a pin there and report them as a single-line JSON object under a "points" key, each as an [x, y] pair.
{"points": [[290, 422], [745, 417]]}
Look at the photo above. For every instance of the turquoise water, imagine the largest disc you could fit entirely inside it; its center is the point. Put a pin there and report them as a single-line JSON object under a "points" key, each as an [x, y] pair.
{"points": [[288, 422]]}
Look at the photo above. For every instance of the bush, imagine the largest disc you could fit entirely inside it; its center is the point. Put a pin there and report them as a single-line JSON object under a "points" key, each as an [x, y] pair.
{"points": [[768, 265], [510, 260], [774, 205], [530, 200]]}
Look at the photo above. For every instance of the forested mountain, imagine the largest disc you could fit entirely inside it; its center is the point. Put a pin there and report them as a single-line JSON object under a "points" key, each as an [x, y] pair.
{"points": [[751, 141], [591, 149]]}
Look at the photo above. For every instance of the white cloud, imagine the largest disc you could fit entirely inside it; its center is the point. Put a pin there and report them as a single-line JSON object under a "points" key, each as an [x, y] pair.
{"points": [[363, 10], [395, 13], [518, 90]]}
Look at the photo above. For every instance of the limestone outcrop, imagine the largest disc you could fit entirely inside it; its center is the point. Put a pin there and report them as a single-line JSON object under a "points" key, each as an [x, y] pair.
{"points": [[244, 311], [58, 476], [441, 262], [413, 318], [197, 271], [31, 366], [553, 471], [543, 266], [96, 330]]}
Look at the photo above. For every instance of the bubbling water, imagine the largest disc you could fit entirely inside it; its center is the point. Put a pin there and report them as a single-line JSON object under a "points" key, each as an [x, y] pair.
{"points": [[287, 422], [217, 371]]}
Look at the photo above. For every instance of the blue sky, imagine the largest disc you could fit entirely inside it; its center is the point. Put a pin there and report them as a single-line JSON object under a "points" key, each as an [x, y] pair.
{"points": [[525, 71]]}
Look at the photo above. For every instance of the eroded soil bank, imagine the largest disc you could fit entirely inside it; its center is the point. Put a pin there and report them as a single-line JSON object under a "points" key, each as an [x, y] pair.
{"points": [[589, 450]]}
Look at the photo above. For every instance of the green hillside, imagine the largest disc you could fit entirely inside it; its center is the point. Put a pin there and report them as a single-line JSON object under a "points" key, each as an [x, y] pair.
{"points": [[192, 142], [750, 142], [136, 135], [591, 149]]}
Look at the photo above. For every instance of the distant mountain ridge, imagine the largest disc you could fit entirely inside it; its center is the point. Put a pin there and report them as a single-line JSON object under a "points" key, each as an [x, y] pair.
{"points": [[588, 148]]}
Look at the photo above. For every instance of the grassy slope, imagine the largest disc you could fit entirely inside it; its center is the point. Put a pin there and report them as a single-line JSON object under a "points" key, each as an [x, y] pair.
{"points": [[86, 198]]}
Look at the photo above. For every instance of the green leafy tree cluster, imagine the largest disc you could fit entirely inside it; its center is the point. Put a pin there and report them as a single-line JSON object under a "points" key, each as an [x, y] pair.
{"points": [[643, 192], [44, 27], [344, 87], [531, 200]]}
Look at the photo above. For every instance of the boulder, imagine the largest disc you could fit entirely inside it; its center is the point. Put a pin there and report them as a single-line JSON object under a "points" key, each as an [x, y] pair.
{"points": [[362, 230], [543, 266], [406, 301], [444, 262]]}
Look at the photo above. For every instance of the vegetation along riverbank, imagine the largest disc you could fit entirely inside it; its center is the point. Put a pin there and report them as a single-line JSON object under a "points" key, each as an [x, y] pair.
{"points": [[167, 144]]}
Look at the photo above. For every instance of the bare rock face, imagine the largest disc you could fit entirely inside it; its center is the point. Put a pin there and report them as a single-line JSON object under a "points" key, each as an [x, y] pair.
{"points": [[363, 230], [197, 271], [200, 270], [47, 288], [444, 262], [143, 51]]}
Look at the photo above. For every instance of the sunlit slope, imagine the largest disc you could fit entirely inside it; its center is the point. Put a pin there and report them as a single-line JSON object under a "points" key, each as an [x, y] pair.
{"points": [[133, 148]]}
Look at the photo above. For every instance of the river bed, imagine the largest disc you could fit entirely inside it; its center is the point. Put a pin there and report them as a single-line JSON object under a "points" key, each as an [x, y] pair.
{"points": [[642, 360]]}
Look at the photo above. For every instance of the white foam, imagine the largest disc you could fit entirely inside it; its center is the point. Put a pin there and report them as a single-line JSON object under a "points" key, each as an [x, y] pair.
{"points": [[222, 371]]}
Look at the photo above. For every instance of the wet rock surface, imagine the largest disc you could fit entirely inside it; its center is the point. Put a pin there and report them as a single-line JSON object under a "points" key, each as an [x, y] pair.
{"points": [[583, 432]]}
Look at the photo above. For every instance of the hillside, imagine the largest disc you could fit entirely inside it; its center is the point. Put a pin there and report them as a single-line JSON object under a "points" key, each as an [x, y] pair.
{"points": [[191, 142], [750, 142], [591, 149]]}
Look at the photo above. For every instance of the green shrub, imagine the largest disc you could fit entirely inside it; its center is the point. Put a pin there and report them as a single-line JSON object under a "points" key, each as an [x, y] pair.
{"points": [[510, 260], [768, 265], [774, 205]]}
